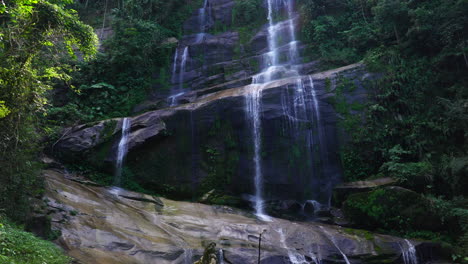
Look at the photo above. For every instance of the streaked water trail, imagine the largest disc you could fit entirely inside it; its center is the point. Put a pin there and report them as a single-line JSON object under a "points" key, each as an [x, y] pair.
{"points": [[122, 151], [183, 64], [332, 239], [272, 70], [409, 253]]}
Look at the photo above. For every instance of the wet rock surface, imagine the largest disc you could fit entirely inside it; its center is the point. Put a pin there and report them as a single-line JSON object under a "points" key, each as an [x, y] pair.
{"points": [[211, 137], [102, 225]]}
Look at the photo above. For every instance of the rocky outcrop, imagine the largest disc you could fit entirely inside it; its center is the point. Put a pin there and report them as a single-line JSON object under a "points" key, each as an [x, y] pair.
{"points": [[342, 191], [107, 225], [205, 144]]}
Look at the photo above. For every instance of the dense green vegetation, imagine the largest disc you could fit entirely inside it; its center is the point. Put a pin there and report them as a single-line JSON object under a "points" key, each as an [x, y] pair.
{"points": [[416, 123], [19, 247], [123, 73], [34, 34]]}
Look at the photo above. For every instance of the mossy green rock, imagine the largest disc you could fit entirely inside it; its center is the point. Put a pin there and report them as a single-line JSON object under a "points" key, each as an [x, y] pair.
{"points": [[392, 208]]}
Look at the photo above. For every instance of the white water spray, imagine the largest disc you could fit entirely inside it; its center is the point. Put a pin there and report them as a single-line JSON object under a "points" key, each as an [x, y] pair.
{"points": [[173, 98], [332, 239], [253, 110], [272, 71], [174, 65], [204, 18], [409, 253], [221, 256], [314, 98], [183, 64], [122, 151], [293, 256]]}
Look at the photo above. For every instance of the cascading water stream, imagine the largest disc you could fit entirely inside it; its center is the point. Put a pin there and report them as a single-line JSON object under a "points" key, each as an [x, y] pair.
{"points": [[332, 239], [122, 151], [253, 110], [220, 256], [183, 64], [321, 134], [294, 257], [272, 70], [204, 15], [314, 99], [174, 65], [409, 253], [179, 91]]}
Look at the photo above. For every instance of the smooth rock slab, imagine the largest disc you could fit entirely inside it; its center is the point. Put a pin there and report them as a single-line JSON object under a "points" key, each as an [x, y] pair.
{"points": [[110, 228]]}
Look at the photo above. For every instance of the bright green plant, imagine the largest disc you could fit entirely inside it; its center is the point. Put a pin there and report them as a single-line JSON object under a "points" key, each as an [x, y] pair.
{"points": [[18, 247]]}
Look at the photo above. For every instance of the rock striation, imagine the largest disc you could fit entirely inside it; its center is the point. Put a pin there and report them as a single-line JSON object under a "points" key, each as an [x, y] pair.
{"points": [[109, 225]]}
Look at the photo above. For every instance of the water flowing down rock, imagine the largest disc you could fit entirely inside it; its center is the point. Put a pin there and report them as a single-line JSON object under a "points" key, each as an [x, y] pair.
{"points": [[211, 133], [122, 151], [100, 225]]}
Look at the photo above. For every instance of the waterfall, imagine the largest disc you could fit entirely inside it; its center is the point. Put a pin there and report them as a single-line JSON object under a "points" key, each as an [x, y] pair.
{"points": [[409, 253], [294, 257], [182, 68], [176, 93], [314, 98], [321, 140], [316, 206], [188, 256], [253, 111], [174, 65], [173, 98], [272, 70], [122, 151], [220, 256], [204, 16], [332, 239]]}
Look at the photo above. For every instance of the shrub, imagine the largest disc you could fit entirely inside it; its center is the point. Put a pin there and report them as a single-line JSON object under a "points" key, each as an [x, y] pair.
{"points": [[19, 247]]}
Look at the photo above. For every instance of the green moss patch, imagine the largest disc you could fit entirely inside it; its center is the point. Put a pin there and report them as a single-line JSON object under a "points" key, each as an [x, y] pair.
{"points": [[20, 247]]}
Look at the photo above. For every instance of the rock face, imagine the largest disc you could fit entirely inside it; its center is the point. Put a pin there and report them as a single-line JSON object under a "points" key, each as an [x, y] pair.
{"points": [[201, 138], [108, 225], [190, 149]]}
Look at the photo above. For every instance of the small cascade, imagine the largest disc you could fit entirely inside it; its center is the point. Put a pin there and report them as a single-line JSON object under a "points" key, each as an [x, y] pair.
{"points": [[179, 91], [183, 64], [316, 259], [323, 145], [332, 239], [122, 151], [315, 205], [220, 256], [188, 256], [409, 253], [253, 111], [204, 18], [294, 257], [314, 99], [174, 65], [272, 70], [173, 98]]}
